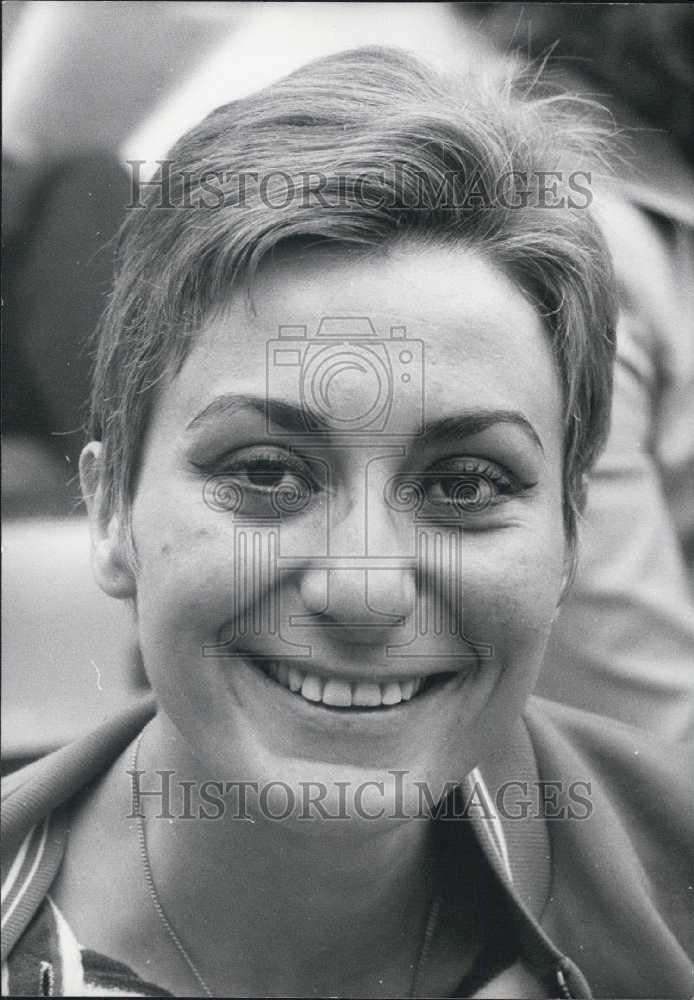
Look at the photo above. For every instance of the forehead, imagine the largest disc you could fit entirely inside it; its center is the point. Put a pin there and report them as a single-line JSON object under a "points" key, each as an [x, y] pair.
{"points": [[481, 342]]}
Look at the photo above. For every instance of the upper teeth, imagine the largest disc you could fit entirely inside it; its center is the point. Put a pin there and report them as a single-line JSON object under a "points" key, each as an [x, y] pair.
{"points": [[341, 693]]}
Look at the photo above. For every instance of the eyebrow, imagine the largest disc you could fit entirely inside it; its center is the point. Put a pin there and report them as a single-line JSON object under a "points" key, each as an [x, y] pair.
{"points": [[468, 424], [293, 418], [279, 411]]}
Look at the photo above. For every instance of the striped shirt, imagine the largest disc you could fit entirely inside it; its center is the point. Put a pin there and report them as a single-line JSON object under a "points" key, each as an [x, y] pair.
{"points": [[48, 961]]}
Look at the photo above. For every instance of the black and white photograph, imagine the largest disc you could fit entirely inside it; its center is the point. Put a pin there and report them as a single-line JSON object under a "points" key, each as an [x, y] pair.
{"points": [[347, 500]]}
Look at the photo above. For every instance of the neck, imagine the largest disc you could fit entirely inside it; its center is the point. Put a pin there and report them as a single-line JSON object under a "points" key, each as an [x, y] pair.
{"points": [[344, 907]]}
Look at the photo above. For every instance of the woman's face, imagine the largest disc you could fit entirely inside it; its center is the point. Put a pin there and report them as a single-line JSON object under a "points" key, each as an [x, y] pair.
{"points": [[350, 543]]}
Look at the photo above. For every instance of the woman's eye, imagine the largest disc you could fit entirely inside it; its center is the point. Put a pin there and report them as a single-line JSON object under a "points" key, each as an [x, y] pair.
{"points": [[265, 474], [271, 483], [270, 474], [470, 486]]}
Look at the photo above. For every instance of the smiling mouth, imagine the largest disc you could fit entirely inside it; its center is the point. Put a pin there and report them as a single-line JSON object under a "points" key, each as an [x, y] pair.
{"points": [[344, 695]]}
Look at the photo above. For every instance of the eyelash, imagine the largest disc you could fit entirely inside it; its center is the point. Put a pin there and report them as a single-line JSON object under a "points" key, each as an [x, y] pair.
{"points": [[270, 458], [492, 478]]}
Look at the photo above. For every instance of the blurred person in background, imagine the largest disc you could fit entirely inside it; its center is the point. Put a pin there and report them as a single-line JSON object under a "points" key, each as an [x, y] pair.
{"points": [[59, 221]]}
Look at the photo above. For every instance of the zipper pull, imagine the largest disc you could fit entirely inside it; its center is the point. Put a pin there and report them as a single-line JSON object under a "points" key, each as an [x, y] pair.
{"points": [[564, 990]]}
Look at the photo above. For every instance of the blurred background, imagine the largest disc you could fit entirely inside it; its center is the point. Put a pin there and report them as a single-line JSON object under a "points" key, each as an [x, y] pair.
{"points": [[90, 86]]}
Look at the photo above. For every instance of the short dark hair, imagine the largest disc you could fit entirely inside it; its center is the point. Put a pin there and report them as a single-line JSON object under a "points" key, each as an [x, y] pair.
{"points": [[363, 149]]}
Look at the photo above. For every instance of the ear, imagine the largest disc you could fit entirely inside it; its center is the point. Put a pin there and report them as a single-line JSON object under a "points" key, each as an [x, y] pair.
{"points": [[110, 564]]}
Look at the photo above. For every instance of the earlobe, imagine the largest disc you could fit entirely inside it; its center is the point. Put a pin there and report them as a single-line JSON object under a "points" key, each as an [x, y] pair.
{"points": [[110, 563]]}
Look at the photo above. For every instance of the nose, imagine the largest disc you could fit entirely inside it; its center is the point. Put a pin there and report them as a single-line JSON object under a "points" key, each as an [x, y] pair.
{"points": [[362, 604], [366, 586]]}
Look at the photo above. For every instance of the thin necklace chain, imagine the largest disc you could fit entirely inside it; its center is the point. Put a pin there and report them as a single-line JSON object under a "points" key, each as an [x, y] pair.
{"points": [[429, 931], [417, 971], [149, 878]]}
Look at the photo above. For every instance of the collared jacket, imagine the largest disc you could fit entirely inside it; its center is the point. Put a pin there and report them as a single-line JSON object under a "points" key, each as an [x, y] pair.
{"points": [[587, 824]]}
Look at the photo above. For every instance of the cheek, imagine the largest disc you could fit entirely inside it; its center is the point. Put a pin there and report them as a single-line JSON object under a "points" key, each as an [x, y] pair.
{"points": [[511, 586], [183, 556], [183, 595]]}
